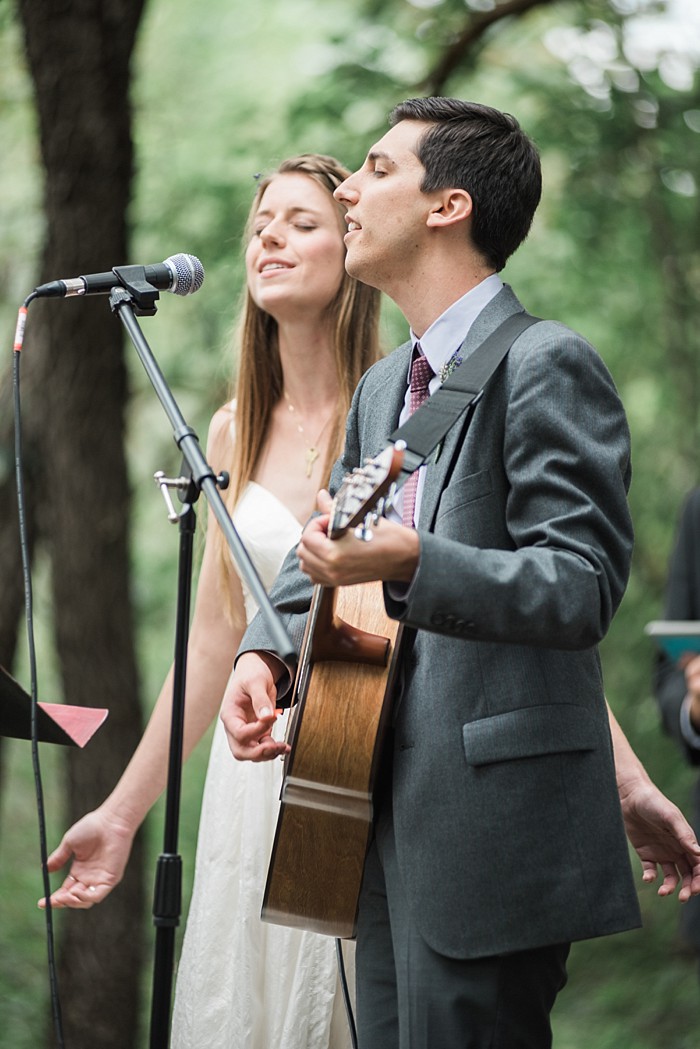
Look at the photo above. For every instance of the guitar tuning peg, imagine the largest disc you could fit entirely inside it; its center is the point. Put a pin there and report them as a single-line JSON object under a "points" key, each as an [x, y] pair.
{"points": [[363, 532], [388, 500]]}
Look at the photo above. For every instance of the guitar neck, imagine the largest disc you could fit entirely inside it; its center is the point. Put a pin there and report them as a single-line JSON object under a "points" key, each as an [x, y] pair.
{"points": [[362, 490]]}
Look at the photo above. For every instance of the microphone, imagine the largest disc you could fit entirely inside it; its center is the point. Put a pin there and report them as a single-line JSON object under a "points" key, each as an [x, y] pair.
{"points": [[181, 274]]}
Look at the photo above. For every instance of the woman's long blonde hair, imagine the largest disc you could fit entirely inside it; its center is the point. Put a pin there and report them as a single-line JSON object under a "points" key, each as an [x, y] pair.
{"points": [[354, 316]]}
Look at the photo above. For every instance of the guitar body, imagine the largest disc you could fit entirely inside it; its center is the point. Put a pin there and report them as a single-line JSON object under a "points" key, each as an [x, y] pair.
{"points": [[345, 677]]}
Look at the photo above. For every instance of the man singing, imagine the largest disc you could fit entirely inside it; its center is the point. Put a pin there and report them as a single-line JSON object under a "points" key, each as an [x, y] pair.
{"points": [[498, 834]]}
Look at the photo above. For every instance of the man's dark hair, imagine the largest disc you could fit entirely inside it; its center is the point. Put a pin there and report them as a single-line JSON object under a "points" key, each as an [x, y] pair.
{"points": [[485, 152]]}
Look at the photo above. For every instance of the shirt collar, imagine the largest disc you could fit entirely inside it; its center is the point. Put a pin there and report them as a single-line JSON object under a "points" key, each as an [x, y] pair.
{"points": [[446, 334]]}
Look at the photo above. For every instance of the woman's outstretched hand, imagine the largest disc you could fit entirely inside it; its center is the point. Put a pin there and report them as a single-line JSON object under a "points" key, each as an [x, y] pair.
{"points": [[97, 848]]}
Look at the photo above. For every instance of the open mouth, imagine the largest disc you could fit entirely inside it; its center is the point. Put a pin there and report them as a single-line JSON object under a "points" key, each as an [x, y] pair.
{"points": [[273, 265]]}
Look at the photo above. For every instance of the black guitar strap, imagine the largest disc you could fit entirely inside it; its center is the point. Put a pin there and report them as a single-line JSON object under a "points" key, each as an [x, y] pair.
{"points": [[424, 430]]}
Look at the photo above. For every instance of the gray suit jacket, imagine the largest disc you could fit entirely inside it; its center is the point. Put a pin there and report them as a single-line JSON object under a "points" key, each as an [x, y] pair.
{"points": [[508, 827]]}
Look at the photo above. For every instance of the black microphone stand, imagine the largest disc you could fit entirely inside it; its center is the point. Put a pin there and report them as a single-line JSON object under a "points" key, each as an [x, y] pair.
{"points": [[139, 297]]}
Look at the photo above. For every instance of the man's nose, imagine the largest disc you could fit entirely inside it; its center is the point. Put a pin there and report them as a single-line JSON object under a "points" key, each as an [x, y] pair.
{"points": [[346, 192]]}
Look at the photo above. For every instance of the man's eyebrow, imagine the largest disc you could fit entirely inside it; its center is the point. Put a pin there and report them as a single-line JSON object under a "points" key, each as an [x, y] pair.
{"points": [[379, 154]]}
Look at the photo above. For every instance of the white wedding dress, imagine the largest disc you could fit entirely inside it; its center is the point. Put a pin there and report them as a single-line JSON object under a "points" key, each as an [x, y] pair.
{"points": [[243, 983]]}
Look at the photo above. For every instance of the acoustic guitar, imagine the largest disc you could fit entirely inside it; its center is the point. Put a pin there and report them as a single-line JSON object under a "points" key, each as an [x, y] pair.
{"points": [[336, 728]]}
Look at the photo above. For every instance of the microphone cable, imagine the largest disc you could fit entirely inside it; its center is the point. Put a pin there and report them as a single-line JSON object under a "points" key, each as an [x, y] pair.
{"points": [[29, 616]]}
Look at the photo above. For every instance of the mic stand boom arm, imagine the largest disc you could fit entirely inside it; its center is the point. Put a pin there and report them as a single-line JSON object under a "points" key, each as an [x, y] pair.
{"points": [[167, 894]]}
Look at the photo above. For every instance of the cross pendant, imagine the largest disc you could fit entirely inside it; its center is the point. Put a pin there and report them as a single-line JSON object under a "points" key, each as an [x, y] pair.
{"points": [[311, 457]]}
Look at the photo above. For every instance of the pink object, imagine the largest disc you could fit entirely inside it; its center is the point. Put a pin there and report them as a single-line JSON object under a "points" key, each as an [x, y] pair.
{"points": [[56, 722]]}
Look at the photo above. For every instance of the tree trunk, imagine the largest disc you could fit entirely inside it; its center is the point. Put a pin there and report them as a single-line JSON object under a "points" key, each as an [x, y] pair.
{"points": [[79, 58]]}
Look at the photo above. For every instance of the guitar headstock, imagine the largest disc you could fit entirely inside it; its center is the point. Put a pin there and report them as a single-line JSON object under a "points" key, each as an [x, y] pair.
{"points": [[361, 490]]}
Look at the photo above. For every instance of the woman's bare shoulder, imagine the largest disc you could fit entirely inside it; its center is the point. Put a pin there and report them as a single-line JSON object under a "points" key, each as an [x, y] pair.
{"points": [[221, 429]]}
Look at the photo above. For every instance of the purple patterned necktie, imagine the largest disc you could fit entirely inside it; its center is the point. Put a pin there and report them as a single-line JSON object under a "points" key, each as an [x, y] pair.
{"points": [[421, 374]]}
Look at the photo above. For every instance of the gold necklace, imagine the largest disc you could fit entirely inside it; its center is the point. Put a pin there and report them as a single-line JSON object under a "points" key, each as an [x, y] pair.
{"points": [[312, 452]]}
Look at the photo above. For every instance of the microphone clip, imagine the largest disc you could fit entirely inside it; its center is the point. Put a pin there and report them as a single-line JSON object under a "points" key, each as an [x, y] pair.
{"points": [[133, 284]]}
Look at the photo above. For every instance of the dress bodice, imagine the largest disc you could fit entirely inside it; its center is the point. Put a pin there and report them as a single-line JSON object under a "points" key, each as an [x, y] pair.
{"points": [[268, 530]]}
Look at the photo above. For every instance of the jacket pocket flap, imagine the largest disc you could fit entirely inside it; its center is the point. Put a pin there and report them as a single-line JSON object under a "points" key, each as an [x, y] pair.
{"points": [[528, 732], [465, 490]]}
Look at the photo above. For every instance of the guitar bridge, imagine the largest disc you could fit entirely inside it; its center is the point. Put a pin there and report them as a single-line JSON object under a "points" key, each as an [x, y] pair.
{"points": [[335, 640]]}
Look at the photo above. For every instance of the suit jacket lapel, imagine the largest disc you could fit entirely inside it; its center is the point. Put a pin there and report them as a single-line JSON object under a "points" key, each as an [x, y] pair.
{"points": [[387, 404], [500, 307]]}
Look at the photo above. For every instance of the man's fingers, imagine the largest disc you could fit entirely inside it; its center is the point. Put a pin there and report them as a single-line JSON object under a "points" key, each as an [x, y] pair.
{"points": [[672, 877], [250, 733], [262, 749], [685, 891], [252, 740]]}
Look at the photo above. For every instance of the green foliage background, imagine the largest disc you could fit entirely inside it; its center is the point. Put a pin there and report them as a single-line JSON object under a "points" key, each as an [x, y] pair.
{"points": [[224, 90]]}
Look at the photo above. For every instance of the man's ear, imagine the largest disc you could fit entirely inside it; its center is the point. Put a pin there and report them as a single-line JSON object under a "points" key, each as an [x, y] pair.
{"points": [[450, 207]]}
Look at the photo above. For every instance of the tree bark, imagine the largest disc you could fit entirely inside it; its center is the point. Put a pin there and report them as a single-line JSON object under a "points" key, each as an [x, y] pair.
{"points": [[79, 55]]}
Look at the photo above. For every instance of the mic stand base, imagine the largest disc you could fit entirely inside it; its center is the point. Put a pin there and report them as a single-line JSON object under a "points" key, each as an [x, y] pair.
{"points": [[167, 896]]}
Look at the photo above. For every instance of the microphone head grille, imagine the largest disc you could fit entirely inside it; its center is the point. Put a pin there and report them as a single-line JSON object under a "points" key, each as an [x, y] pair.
{"points": [[188, 274]]}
